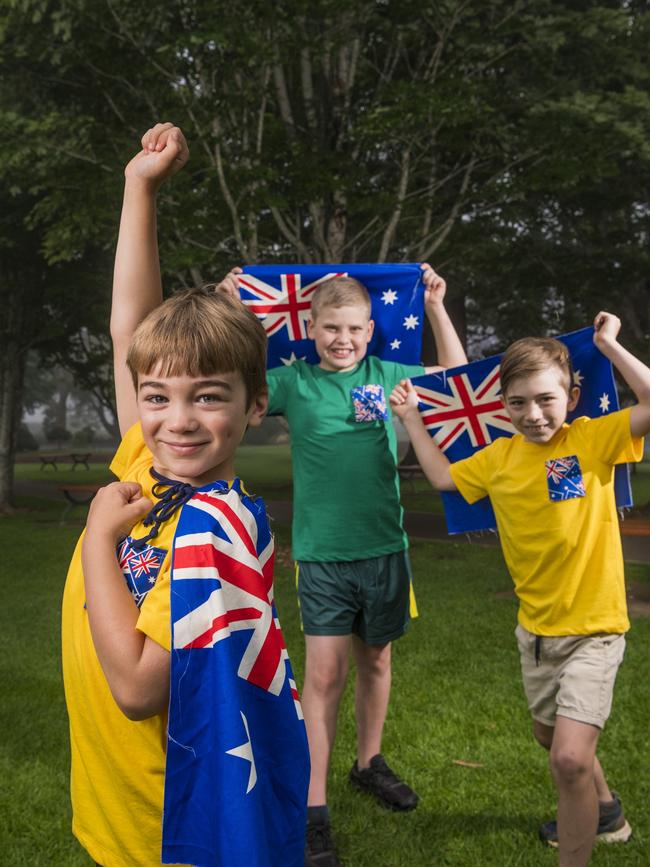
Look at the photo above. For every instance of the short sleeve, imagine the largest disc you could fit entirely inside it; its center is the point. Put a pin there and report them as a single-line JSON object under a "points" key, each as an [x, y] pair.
{"points": [[609, 438], [155, 614], [472, 475], [280, 381], [131, 449], [394, 372]]}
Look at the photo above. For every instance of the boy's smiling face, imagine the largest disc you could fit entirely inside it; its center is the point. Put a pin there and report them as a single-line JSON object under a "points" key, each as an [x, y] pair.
{"points": [[341, 335], [193, 425], [538, 404]]}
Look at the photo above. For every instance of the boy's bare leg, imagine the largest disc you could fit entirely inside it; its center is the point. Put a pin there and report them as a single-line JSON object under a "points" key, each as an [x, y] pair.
{"points": [[326, 670], [573, 756], [544, 736], [371, 696]]}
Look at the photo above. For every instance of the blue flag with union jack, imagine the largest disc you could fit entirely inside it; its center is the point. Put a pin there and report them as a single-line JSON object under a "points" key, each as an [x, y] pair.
{"points": [[462, 410], [237, 766], [281, 296]]}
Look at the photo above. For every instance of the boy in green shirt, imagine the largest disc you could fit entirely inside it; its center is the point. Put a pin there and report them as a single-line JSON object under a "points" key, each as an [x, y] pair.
{"points": [[348, 540]]}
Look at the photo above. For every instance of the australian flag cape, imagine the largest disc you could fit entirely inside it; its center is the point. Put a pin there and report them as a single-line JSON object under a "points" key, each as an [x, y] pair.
{"points": [[462, 410], [281, 296], [237, 765]]}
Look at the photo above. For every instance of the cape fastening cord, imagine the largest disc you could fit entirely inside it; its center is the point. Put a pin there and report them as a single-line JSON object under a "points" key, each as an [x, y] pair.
{"points": [[171, 495]]}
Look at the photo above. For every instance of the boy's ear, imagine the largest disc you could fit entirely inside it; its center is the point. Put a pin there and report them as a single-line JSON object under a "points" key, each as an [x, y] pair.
{"points": [[310, 328], [371, 328], [257, 409], [574, 397]]}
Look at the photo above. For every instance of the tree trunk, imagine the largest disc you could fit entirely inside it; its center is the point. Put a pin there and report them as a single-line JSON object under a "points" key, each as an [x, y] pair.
{"points": [[11, 391]]}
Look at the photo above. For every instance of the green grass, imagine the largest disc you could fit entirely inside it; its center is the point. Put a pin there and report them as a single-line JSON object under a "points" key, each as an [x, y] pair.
{"points": [[268, 470], [456, 697]]}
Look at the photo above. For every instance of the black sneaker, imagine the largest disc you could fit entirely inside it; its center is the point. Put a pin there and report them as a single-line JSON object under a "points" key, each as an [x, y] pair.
{"points": [[386, 786], [319, 849], [612, 825]]}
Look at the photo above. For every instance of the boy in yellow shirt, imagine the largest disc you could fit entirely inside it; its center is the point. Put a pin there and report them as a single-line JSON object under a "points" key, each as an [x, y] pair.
{"points": [[565, 557], [159, 729]]}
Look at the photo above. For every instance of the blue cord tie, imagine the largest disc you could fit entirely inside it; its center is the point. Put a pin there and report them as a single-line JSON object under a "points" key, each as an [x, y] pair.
{"points": [[171, 495]]}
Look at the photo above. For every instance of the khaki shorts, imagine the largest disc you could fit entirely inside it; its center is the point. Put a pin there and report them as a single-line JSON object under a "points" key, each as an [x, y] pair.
{"points": [[570, 675]]}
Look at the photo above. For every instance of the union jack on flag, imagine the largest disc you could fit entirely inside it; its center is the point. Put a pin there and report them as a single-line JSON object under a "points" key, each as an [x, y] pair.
{"points": [[237, 759], [564, 478], [281, 295], [462, 410], [140, 567]]}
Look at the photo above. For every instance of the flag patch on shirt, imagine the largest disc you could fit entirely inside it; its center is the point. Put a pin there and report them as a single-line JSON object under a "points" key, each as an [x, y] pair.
{"points": [[140, 567], [369, 403], [564, 478]]}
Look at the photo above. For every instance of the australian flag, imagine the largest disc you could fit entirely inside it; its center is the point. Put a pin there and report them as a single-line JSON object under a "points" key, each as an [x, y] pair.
{"points": [[462, 410], [237, 759], [281, 296]]}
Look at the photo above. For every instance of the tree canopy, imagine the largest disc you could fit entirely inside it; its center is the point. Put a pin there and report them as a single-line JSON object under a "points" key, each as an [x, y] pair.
{"points": [[507, 142]]}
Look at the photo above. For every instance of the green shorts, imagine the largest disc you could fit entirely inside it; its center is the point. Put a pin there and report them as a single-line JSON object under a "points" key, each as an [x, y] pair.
{"points": [[369, 598]]}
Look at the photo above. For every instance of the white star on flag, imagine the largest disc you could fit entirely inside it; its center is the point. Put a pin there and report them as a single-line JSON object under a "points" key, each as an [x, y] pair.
{"points": [[604, 402], [577, 378], [411, 322], [245, 751], [293, 357], [395, 344], [389, 296]]}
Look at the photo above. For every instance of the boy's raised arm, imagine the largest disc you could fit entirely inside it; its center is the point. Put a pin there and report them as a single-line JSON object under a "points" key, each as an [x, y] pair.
{"points": [[633, 371], [137, 287], [404, 403], [449, 348]]}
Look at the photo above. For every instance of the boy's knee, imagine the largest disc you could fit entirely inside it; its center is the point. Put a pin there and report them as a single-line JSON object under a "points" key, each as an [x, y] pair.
{"points": [[326, 678], [569, 767], [543, 734]]}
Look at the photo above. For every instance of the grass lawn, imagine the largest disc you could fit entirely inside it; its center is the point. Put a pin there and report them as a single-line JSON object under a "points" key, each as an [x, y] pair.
{"points": [[270, 468], [456, 698]]}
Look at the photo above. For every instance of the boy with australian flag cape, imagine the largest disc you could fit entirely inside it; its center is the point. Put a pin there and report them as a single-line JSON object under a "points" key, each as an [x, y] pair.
{"points": [[187, 740]]}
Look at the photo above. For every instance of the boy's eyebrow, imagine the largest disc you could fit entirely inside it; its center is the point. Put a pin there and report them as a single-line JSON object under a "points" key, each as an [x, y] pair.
{"points": [[510, 395], [200, 383]]}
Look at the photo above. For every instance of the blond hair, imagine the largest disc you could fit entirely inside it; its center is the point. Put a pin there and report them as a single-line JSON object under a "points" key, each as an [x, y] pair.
{"points": [[198, 332], [529, 355], [340, 292]]}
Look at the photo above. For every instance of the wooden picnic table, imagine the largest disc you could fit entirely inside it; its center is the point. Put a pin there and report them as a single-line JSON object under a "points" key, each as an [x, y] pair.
{"points": [[76, 495], [79, 458], [410, 472]]}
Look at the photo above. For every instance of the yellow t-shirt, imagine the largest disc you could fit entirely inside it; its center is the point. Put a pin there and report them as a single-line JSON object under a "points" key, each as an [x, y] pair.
{"points": [[118, 766], [564, 554]]}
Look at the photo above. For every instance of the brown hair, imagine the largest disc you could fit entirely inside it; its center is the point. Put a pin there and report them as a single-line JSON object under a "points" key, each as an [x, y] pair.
{"points": [[198, 332], [530, 355], [339, 292]]}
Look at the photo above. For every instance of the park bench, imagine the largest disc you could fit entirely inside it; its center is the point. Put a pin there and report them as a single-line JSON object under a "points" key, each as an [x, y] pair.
{"points": [[79, 458], [49, 461], [76, 495]]}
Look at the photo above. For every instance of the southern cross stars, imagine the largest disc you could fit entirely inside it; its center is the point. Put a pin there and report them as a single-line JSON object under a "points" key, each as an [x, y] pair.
{"points": [[245, 751], [293, 357], [389, 296], [604, 402], [411, 322]]}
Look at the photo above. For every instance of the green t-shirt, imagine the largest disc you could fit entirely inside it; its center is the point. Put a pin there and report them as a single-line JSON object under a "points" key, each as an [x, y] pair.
{"points": [[346, 489]]}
